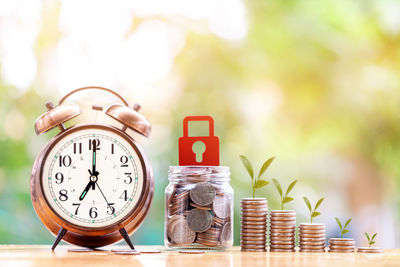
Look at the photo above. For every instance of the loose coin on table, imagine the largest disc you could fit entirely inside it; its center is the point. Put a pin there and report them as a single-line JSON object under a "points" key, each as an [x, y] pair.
{"points": [[125, 252], [80, 250]]}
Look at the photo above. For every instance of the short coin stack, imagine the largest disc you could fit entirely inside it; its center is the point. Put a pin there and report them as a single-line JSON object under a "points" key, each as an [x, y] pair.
{"points": [[343, 245], [282, 230], [253, 232], [312, 237], [370, 250]]}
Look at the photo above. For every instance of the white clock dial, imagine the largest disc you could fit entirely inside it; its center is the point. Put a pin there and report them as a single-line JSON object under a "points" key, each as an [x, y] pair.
{"points": [[92, 177]]}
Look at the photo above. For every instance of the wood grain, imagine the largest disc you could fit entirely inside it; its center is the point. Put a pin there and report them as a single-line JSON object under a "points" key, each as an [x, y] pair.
{"points": [[34, 255]]}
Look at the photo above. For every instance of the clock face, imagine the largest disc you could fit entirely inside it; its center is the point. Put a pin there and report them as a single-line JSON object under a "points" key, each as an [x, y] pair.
{"points": [[92, 177]]}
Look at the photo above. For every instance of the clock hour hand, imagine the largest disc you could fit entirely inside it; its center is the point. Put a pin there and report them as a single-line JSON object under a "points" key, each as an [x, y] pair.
{"points": [[87, 188]]}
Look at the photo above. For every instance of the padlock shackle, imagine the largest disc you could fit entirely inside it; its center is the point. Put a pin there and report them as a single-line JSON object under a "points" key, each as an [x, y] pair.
{"points": [[187, 119]]}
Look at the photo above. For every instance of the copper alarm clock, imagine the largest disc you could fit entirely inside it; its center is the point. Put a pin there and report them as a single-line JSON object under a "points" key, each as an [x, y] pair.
{"points": [[92, 184]]}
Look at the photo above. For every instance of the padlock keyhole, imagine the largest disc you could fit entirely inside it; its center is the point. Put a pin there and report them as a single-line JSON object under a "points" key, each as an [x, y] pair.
{"points": [[198, 148]]}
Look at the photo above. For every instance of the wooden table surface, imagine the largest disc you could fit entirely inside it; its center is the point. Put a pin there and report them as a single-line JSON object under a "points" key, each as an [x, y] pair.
{"points": [[28, 255]]}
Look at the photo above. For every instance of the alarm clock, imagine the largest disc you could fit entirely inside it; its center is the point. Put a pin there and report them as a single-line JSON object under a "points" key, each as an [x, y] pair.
{"points": [[92, 184]]}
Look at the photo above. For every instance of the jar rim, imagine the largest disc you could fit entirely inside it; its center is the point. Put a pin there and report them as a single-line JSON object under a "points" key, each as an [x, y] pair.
{"points": [[199, 173]]}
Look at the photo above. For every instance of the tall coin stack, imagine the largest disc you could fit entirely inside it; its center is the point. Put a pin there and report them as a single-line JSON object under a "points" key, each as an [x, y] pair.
{"points": [[342, 245], [253, 232], [312, 237], [282, 230]]}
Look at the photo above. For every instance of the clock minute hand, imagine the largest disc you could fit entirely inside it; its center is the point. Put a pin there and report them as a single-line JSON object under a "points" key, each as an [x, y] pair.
{"points": [[94, 148]]}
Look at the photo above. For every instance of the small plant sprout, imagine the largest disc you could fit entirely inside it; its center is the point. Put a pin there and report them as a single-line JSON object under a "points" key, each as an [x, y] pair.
{"points": [[370, 239], [256, 182], [313, 212], [284, 197], [343, 229]]}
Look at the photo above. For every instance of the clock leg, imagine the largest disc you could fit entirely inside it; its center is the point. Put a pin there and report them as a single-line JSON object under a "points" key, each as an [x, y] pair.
{"points": [[60, 235], [126, 237]]}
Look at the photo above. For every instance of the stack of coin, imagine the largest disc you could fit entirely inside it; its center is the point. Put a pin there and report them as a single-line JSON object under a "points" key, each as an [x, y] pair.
{"points": [[178, 202], [312, 237], [253, 232], [199, 214], [342, 245], [370, 250], [282, 230]]}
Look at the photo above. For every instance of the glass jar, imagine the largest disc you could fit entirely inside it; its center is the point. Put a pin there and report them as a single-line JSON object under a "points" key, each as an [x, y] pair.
{"points": [[198, 208]]}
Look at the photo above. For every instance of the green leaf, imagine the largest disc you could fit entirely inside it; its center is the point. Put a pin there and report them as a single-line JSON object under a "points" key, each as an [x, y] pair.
{"points": [[339, 223], [307, 203], [372, 242], [291, 186], [277, 186], [347, 223], [287, 200], [373, 237], [315, 214], [318, 203], [260, 183], [366, 234], [265, 166], [345, 231], [248, 166]]}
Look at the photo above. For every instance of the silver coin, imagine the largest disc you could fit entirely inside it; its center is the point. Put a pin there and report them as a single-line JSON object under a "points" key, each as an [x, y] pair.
{"points": [[199, 220], [226, 234], [221, 206], [191, 251], [203, 193], [80, 250], [126, 252], [181, 233]]}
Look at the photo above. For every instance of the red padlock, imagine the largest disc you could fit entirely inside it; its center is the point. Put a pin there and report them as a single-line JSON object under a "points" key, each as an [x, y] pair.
{"points": [[210, 156]]}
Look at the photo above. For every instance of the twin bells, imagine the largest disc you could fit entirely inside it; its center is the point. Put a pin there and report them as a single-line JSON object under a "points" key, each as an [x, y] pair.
{"points": [[65, 111]]}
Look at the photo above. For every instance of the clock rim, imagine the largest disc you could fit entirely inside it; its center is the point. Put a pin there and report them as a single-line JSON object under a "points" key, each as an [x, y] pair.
{"points": [[75, 233]]}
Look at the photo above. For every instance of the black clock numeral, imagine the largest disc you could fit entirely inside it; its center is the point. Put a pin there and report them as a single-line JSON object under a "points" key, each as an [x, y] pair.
{"points": [[112, 148], [93, 212], [63, 195], [129, 178], [78, 148], [110, 209], [124, 195], [64, 161], [77, 207], [59, 178], [96, 143], [124, 161]]}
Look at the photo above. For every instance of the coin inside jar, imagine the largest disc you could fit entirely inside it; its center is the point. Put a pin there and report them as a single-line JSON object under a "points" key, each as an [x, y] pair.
{"points": [[221, 206], [199, 220], [203, 193], [180, 232]]}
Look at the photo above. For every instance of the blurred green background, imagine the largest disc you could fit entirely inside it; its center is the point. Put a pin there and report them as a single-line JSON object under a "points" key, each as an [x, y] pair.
{"points": [[314, 83]]}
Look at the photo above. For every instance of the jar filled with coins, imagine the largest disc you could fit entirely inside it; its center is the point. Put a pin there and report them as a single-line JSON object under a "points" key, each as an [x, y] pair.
{"points": [[199, 207]]}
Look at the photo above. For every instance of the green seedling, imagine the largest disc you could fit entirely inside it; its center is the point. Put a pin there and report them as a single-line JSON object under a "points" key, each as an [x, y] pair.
{"points": [[370, 239], [313, 212], [284, 197], [343, 229], [256, 182]]}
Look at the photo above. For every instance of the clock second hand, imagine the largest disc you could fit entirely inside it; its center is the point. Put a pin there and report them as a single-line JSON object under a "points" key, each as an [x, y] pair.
{"points": [[108, 204]]}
